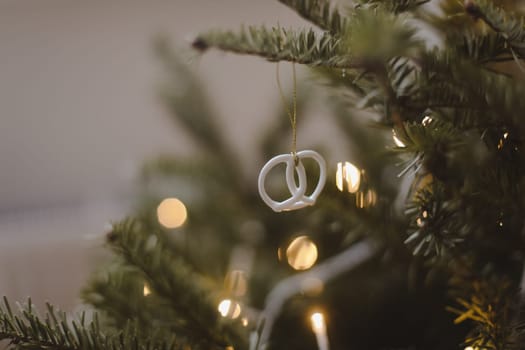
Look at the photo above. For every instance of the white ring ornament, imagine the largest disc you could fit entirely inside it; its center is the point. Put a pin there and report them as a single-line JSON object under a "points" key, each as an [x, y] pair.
{"points": [[298, 199]]}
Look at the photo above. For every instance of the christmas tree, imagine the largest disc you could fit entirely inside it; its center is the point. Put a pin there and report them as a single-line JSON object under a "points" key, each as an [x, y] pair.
{"points": [[415, 243]]}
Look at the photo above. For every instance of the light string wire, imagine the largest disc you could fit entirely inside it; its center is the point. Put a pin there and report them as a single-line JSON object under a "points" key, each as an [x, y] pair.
{"points": [[292, 114]]}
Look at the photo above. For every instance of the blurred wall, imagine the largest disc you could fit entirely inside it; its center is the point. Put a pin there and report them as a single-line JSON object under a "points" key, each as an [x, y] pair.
{"points": [[78, 114]]}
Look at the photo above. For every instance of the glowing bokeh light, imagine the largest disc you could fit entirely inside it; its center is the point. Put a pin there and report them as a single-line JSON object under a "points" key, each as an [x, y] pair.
{"points": [[147, 291], [318, 324], [426, 121], [301, 253], [229, 308], [171, 213], [397, 141], [347, 177]]}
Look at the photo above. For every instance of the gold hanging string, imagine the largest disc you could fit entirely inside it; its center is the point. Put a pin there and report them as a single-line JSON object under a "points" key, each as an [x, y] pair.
{"points": [[292, 114]]}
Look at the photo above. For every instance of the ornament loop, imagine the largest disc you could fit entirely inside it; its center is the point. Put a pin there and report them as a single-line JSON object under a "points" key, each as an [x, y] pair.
{"points": [[298, 199]]}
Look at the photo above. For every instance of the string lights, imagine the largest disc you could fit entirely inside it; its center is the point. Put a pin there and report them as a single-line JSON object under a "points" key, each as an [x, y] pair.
{"points": [[319, 329]]}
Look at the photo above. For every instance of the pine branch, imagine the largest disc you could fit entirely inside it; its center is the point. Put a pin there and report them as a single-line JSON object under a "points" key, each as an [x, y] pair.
{"points": [[489, 304], [481, 48], [28, 331], [118, 293], [278, 44], [174, 281], [319, 12], [395, 6], [511, 28]]}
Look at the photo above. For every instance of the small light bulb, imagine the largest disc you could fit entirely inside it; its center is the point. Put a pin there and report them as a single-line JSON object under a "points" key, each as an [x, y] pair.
{"points": [[147, 291], [347, 176], [426, 121], [318, 324], [229, 308], [301, 253], [397, 141], [171, 213], [505, 135], [244, 322]]}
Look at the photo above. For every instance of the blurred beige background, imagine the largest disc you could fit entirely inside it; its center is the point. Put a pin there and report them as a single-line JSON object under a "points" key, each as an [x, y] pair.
{"points": [[78, 115]]}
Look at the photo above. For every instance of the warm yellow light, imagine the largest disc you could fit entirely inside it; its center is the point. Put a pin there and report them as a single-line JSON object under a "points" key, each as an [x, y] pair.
{"points": [[347, 176], [371, 198], [171, 213], [244, 322], [365, 199], [318, 324], [470, 348], [147, 291], [397, 141], [229, 308], [505, 135], [301, 253], [427, 120]]}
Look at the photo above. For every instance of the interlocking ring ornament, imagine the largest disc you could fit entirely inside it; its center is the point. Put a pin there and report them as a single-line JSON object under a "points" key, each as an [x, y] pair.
{"points": [[299, 199]]}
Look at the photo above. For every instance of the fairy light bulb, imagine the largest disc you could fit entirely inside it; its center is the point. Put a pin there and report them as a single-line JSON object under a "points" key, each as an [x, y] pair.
{"points": [[171, 213], [348, 177], [146, 290], [319, 329], [426, 120], [229, 308], [301, 253], [318, 325], [396, 139]]}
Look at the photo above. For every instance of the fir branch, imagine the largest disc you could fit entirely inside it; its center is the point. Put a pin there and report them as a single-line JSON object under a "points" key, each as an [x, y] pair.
{"points": [[168, 275], [489, 304], [118, 293], [481, 48], [395, 6], [510, 27], [319, 12], [55, 331], [278, 44]]}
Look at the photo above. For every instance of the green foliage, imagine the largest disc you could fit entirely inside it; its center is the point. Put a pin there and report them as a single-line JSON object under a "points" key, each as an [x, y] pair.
{"points": [[28, 331], [451, 228], [279, 44], [395, 6], [465, 202], [511, 28], [181, 301], [319, 12]]}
